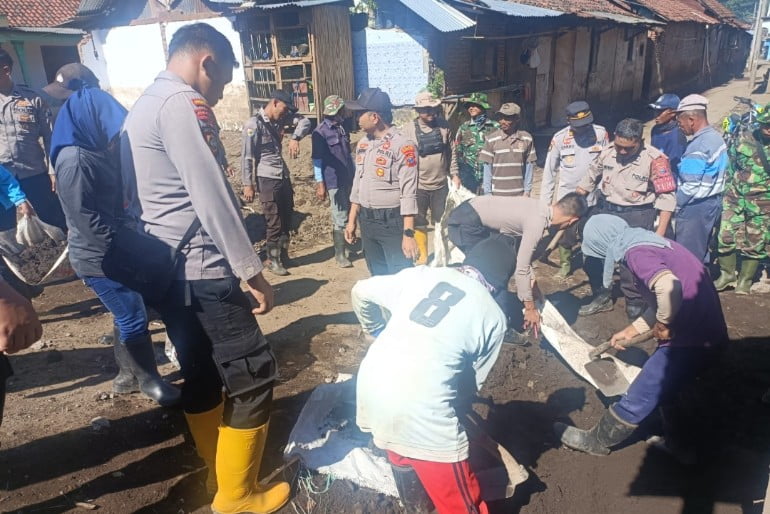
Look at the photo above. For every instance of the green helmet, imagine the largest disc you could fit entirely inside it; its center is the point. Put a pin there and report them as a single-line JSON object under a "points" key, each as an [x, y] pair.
{"points": [[480, 99], [763, 114]]}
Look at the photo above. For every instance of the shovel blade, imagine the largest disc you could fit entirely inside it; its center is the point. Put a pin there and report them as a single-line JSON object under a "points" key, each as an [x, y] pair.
{"points": [[607, 376]]}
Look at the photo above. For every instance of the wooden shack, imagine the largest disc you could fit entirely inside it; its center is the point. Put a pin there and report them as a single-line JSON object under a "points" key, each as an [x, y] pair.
{"points": [[302, 47]]}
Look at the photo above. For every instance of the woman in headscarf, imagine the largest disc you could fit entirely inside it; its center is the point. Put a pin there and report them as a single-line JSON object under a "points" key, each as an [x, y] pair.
{"points": [[684, 314], [85, 157]]}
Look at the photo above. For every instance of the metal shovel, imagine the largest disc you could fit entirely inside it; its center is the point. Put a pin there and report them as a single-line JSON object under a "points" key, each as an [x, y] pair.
{"points": [[605, 373]]}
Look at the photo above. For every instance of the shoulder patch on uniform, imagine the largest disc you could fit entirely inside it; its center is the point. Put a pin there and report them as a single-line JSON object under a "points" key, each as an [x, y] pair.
{"points": [[208, 125], [407, 149]]}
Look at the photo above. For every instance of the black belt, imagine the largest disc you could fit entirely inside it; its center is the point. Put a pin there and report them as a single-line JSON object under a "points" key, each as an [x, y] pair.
{"points": [[626, 208], [380, 214]]}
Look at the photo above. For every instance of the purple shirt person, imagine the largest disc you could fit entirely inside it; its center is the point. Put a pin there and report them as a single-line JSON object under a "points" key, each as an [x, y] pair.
{"points": [[685, 317]]}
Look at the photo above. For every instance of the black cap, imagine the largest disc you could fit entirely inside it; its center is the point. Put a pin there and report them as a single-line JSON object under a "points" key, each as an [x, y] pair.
{"points": [[69, 79], [371, 99], [495, 258], [283, 96], [579, 114]]}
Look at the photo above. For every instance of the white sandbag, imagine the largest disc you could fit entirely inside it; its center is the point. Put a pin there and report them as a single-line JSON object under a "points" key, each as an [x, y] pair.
{"points": [[444, 252], [327, 439], [31, 231]]}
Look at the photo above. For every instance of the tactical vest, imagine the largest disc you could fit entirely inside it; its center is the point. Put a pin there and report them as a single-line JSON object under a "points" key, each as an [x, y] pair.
{"points": [[429, 143]]}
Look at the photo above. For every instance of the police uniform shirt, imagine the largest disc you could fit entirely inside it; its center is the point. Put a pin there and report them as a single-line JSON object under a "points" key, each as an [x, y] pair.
{"points": [[628, 184], [516, 216], [171, 165], [386, 173], [508, 154], [25, 118], [407, 390], [570, 157], [262, 143]]}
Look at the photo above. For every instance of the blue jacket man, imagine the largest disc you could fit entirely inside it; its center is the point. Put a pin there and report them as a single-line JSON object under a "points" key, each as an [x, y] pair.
{"points": [[666, 134], [701, 178]]}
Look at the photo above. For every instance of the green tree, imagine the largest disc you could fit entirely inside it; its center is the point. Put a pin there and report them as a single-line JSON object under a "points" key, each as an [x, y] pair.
{"points": [[744, 9]]}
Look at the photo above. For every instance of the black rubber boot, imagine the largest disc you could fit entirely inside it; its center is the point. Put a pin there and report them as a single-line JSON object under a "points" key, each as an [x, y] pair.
{"points": [[608, 432], [514, 337], [140, 357], [601, 302], [340, 249], [634, 310], [274, 254], [283, 242], [125, 382]]}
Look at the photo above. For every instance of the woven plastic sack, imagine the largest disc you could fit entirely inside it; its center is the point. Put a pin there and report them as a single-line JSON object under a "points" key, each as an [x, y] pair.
{"points": [[444, 252], [31, 231]]}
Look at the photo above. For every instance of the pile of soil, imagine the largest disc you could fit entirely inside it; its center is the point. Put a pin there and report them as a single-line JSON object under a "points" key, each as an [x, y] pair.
{"points": [[34, 262]]}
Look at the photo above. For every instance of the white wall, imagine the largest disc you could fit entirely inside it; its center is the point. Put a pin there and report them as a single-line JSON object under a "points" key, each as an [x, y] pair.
{"points": [[127, 59]]}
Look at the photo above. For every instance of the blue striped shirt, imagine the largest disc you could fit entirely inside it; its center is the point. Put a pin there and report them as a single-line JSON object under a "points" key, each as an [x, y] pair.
{"points": [[702, 168]]}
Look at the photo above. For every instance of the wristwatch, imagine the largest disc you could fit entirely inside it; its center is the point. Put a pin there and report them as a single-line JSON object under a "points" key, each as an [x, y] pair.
{"points": [[409, 232]]}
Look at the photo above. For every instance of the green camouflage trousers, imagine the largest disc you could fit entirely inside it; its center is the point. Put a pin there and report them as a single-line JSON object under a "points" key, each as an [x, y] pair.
{"points": [[745, 225]]}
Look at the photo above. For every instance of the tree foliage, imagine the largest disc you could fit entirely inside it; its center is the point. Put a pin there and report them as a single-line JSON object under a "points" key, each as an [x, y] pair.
{"points": [[744, 9]]}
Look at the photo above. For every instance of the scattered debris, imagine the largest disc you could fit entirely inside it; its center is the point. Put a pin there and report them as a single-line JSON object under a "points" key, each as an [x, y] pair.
{"points": [[100, 423], [86, 505]]}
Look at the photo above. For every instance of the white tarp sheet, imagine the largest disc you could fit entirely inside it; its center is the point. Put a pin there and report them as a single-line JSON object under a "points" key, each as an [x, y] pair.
{"points": [[571, 346]]}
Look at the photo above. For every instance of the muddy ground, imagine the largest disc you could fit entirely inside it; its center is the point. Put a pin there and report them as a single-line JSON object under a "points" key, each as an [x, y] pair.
{"points": [[54, 459]]}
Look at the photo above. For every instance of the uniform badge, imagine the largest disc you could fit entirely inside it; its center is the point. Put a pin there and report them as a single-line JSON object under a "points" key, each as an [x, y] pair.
{"points": [[380, 172], [250, 132], [359, 159], [408, 149], [363, 145], [411, 161], [385, 145], [381, 161], [569, 160]]}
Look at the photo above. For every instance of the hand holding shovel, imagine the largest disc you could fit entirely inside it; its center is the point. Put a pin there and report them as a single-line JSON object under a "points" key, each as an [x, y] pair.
{"points": [[605, 373]]}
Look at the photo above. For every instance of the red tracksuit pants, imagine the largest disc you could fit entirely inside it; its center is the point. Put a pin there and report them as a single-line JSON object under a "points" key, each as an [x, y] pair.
{"points": [[452, 486]]}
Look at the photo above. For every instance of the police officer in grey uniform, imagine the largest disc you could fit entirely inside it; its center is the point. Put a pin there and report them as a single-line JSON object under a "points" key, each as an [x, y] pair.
{"points": [[384, 193], [261, 151], [634, 182], [572, 150], [172, 166], [26, 118]]}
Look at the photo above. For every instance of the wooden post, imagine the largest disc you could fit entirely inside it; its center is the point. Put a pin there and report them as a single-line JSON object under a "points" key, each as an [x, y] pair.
{"points": [[757, 43]]}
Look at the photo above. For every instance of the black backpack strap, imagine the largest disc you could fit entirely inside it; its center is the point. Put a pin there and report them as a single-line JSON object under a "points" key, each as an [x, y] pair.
{"points": [[762, 154]]}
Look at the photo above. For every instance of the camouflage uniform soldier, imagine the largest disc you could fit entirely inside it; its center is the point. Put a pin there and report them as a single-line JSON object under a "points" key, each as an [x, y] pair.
{"points": [[471, 136], [745, 226]]}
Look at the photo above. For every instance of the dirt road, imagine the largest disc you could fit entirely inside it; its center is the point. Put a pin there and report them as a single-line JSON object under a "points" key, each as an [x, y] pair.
{"points": [[53, 456]]}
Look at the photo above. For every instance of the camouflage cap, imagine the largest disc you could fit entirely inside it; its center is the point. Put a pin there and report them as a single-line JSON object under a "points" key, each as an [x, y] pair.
{"points": [[763, 114], [333, 104], [480, 99]]}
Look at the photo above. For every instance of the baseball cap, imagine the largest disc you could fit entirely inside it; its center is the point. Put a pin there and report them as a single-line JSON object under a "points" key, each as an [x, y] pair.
{"points": [[69, 78], [333, 104], [283, 96], [509, 109], [426, 99], [371, 99], [495, 258], [579, 114], [693, 103], [666, 101]]}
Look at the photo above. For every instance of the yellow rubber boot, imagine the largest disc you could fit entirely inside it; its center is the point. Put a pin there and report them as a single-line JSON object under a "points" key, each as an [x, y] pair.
{"points": [[239, 455], [421, 237], [204, 428]]}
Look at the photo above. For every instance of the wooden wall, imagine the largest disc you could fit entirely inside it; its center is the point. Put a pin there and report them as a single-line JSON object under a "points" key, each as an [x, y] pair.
{"points": [[332, 46]]}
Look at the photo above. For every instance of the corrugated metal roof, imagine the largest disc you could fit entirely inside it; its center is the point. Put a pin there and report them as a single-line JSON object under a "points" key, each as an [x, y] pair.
{"points": [[620, 18], [50, 30], [513, 8], [442, 16]]}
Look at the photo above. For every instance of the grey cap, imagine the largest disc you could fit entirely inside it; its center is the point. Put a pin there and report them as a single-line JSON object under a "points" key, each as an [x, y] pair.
{"points": [[693, 103], [509, 109]]}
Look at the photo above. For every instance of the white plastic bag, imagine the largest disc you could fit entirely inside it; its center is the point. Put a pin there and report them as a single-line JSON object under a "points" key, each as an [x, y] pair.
{"points": [[444, 252], [31, 231]]}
